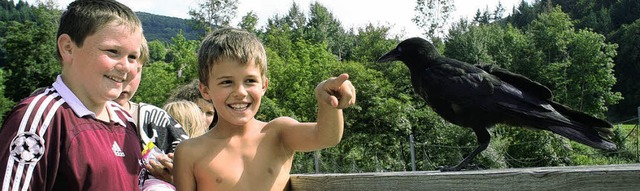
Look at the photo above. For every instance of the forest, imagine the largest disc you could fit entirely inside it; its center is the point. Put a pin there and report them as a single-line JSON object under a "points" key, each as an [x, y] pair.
{"points": [[586, 52]]}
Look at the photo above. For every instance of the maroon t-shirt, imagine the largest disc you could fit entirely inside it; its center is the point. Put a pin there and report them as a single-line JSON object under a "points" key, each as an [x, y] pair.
{"points": [[50, 143]]}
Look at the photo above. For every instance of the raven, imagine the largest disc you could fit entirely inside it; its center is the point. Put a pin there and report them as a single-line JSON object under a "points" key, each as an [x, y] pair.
{"points": [[480, 96]]}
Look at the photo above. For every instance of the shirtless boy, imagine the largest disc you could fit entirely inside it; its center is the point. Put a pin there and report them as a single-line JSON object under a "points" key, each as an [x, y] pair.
{"points": [[240, 152]]}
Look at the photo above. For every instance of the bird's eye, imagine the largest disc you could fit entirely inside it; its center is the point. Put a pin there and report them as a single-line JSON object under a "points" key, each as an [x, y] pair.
{"points": [[399, 49]]}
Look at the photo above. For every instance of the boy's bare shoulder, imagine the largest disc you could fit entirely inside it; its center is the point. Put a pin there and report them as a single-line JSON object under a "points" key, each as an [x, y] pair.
{"points": [[193, 144], [282, 121]]}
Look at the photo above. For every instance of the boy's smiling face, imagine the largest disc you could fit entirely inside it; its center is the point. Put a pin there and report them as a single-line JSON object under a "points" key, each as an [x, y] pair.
{"points": [[98, 70], [235, 89]]}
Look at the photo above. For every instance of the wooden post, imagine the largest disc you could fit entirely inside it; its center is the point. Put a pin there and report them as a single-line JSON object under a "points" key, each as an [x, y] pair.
{"points": [[316, 160], [601, 177], [413, 153]]}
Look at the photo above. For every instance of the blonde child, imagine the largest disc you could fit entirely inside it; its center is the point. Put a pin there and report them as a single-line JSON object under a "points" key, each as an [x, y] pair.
{"points": [[191, 92], [240, 152], [189, 116]]}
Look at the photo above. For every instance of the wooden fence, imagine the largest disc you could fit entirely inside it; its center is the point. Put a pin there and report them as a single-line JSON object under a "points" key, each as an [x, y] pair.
{"points": [[604, 177]]}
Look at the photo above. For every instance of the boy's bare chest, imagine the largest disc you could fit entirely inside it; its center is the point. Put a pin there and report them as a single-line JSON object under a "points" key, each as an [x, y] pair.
{"points": [[258, 163]]}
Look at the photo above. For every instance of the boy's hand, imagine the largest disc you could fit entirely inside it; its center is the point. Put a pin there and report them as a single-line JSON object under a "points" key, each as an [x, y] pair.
{"points": [[337, 92], [164, 170]]}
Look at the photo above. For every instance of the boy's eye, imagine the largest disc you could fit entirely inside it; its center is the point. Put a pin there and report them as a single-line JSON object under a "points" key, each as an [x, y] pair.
{"points": [[112, 51], [133, 57]]}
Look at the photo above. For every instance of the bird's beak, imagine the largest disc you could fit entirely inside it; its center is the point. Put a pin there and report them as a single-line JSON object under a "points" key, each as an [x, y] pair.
{"points": [[389, 56]]}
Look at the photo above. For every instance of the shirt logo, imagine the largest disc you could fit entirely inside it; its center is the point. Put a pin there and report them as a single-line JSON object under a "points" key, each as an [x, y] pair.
{"points": [[27, 148], [116, 150]]}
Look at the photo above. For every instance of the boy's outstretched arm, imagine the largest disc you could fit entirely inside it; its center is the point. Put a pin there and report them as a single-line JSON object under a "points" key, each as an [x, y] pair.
{"points": [[333, 95]]}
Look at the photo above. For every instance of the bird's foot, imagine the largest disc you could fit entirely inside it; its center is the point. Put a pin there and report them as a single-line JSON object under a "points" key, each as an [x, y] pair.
{"points": [[458, 168]]}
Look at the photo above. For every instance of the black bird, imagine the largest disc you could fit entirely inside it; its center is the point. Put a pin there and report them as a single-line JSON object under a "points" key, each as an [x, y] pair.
{"points": [[478, 97]]}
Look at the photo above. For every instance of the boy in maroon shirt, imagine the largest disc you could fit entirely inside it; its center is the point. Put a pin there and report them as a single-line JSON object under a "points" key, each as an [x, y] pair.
{"points": [[71, 136]]}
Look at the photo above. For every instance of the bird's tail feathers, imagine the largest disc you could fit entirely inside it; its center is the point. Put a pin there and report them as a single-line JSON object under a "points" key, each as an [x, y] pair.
{"points": [[580, 116], [590, 137], [603, 127], [575, 125]]}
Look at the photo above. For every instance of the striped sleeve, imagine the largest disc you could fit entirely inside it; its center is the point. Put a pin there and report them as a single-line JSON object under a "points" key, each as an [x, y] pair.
{"points": [[26, 154]]}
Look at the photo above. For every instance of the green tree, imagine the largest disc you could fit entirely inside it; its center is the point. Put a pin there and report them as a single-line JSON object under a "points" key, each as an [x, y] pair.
{"points": [[523, 15], [5, 103], [590, 74], [157, 51], [470, 43], [624, 12], [499, 12], [627, 69], [278, 37], [210, 14], [156, 83], [296, 20], [249, 22], [564, 52], [30, 49], [323, 27], [370, 43], [432, 16], [182, 54]]}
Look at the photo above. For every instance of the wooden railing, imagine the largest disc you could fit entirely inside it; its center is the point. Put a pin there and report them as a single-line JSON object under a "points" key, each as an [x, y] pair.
{"points": [[604, 177]]}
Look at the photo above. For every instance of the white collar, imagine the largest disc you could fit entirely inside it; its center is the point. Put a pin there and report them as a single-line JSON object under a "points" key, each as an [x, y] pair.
{"points": [[76, 105]]}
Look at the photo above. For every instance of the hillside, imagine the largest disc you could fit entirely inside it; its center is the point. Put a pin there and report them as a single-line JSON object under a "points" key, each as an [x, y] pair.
{"points": [[158, 27]]}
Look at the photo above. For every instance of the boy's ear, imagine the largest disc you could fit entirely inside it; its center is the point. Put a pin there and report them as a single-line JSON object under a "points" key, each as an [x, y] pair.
{"points": [[204, 91], [265, 86], [65, 46]]}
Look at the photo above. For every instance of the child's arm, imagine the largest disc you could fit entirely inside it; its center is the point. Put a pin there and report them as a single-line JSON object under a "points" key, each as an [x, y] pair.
{"points": [[333, 95], [183, 176], [162, 169]]}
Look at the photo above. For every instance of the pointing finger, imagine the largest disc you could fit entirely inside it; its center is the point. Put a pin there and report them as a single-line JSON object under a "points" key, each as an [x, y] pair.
{"points": [[335, 83]]}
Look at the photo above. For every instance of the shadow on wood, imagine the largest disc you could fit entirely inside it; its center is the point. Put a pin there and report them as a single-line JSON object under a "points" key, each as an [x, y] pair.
{"points": [[604, 177]]}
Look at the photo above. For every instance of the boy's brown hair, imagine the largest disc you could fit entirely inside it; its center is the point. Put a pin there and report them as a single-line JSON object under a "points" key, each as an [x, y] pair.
{"points": [[84, 17], [230, 43]]}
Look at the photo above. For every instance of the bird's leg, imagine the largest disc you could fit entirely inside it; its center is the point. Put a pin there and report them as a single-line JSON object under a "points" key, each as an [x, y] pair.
{"points": [[483, 136]]}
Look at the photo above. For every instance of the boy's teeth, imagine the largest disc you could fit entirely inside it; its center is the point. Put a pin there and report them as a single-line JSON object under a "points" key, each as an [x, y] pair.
{"points": [[239, 106], [115, 79]]}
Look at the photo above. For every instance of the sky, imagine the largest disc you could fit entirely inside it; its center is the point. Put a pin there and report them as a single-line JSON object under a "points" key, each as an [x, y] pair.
{"points": [[351, 13]]}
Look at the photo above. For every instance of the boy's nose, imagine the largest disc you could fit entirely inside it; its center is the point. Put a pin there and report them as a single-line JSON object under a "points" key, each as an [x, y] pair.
{"points": [[240, 91]]}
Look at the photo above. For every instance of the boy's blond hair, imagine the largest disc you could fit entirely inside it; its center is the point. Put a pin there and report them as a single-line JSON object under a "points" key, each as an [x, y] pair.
{"points": [[189, 115], [230, 43], [84, 17], [144, 52]]}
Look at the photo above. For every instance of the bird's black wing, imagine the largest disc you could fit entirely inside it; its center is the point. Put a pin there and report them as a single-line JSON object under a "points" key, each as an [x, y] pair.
{"points": [[525, 84], [521, 82], [457, 91], [455, 81]]}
